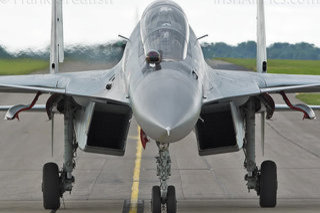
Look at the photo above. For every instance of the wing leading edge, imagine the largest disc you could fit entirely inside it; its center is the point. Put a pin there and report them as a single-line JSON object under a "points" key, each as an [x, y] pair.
{"points": [[228, 85], [86, 84]]}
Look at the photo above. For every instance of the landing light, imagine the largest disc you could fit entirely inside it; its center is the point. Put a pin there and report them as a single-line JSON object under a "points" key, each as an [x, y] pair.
{"points": [[153, 57]]}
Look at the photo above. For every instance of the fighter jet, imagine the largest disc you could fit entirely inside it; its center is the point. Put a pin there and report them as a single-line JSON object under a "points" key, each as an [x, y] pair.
{"points": [[164, 82]]}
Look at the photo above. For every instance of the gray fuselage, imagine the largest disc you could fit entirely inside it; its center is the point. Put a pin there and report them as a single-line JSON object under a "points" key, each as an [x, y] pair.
{"points": [[166, 98]]}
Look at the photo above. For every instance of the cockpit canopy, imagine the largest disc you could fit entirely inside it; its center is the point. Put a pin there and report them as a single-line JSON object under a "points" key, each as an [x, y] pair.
{"points": [[164, 28]]}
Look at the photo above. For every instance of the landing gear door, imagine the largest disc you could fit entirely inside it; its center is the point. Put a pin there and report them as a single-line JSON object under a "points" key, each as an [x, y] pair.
{"points": [[82, 123], [238, 123]]}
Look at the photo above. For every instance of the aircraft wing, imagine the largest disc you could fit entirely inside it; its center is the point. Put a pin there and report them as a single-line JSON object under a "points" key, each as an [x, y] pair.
{"points": [[227, 85], [87, 84]]}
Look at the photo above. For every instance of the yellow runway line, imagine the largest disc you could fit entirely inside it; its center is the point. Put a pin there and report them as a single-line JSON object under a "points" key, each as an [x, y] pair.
{"points": [[134, 138], [136, 177]]}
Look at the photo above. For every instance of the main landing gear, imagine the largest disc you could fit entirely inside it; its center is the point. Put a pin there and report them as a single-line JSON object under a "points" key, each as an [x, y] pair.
{"points": [[163, 196], [263, 180], [55, 183], [51, 186]]}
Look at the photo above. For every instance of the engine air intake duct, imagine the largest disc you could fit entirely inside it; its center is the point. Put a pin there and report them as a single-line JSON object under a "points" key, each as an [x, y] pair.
{"points": [[108, 130], [219, 131]]}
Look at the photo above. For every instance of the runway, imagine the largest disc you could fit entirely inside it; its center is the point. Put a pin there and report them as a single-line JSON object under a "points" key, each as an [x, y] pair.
{"points": [[203, 184]]}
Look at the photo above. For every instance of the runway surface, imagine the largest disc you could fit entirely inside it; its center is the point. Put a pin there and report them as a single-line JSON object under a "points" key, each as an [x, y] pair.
{"points": [[203, 184]]}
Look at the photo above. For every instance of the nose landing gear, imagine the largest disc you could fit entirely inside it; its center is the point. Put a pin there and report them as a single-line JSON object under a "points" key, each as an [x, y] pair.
{"points": [[163, 196]]}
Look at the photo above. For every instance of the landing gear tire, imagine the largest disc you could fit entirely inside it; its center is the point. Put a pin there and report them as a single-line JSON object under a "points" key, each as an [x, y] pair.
{"points": [[51, 186], [156, 200], [268, 184], [171, 200]]}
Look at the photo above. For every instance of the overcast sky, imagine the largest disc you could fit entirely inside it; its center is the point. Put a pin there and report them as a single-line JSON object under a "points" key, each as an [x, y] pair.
{"points": [[26, 23]]}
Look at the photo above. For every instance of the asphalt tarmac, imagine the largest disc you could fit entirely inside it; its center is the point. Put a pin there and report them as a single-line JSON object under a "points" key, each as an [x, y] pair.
{"points": [[203, 184]]}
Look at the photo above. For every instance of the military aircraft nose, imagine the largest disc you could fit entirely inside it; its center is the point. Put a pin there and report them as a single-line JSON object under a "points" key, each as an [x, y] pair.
{"points": [[166, 105]]}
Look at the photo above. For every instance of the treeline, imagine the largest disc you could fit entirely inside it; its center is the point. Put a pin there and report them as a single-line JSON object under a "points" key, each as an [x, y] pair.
{"points": [[4, 53], [113, 52], [303, 51], [110, 52]]}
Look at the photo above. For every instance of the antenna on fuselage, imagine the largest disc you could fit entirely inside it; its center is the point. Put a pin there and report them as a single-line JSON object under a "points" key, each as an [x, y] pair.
{"points": [[125, 38], [57, 45], [201, 37], [137, 19]]}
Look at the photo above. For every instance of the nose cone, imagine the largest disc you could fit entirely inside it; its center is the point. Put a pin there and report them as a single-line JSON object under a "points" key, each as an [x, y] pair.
{"points": [[167, 105]]}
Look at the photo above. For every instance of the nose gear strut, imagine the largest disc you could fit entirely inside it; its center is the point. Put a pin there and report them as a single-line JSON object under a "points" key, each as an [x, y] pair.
{"points": [[163, 168], [163, 196]]}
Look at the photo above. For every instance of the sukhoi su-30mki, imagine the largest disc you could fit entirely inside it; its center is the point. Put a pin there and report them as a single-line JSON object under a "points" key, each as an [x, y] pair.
{"points": [[164, 82]]}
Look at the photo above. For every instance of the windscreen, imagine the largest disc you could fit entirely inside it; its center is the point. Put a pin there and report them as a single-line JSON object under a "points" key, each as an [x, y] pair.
{"points": [[164, 28]]}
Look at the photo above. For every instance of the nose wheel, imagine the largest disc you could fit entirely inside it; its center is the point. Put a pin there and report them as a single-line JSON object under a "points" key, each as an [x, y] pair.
{"points": [[171, 200], [158, 204], [163, 196]]}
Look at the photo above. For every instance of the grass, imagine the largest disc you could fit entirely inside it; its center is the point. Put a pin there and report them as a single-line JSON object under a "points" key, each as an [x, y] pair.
{"points": [[306, 67], [312, 99], [21, 66]]}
